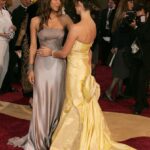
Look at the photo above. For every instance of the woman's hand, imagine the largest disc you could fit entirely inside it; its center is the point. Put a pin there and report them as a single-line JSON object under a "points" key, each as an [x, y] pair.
{"points": [[44, 52], [31, 77], [5, 35], [19, 53], [133, 24]]}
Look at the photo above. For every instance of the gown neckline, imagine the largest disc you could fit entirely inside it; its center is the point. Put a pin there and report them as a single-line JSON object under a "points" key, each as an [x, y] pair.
{"points": [[84, 42]]}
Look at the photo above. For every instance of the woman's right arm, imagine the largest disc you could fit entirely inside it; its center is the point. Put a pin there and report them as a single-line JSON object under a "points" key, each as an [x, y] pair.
{"points": [[33, 47]]}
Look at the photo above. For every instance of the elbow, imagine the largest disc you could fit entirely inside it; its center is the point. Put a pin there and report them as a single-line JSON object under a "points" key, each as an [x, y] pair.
{"points": [[63, 55]]}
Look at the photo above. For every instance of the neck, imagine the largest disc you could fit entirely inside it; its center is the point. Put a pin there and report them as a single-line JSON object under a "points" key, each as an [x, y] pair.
{"points": [[53, 15], [85, 15]]}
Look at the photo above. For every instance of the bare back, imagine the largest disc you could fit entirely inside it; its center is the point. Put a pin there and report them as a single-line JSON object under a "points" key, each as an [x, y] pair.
{"points": [[86, 31]]}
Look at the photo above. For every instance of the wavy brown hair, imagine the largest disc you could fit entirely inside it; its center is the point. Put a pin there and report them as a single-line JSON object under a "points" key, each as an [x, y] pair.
{"points": [[44, 11], [122, 7]]}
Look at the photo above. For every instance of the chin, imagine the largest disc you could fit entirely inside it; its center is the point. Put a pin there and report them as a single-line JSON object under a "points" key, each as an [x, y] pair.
{"points": [[56, 9]]}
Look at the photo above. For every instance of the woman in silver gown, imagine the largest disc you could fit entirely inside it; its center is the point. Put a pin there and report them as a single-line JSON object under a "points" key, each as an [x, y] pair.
{"points": [[47, 74]]}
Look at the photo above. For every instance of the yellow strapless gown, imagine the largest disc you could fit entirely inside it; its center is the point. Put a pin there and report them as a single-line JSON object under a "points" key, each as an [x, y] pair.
{"points": [[82, 125]]}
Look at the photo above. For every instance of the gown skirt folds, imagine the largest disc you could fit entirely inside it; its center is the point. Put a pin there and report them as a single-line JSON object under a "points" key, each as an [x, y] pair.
{"points": [[48, 94], [82, 125]]}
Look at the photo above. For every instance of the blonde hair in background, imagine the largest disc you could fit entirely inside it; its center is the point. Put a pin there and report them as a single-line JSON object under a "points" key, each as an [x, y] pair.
{"points": [[122, 8]]}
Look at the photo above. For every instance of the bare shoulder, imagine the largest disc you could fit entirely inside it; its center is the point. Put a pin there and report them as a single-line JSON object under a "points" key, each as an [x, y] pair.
{"points": [[35, 22]]}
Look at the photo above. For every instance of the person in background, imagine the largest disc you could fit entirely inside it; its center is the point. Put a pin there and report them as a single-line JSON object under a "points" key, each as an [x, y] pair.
{"points": [[8, 4], [105, 26], [123, 36], [7, 30], [95, 47], [14, 68], [141, 67]]}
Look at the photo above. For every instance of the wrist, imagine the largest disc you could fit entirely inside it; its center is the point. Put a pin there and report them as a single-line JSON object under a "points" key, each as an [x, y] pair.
{"points": [[30, 67]]}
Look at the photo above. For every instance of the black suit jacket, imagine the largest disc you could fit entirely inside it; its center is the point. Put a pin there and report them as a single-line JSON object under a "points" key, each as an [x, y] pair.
{"points": [[103, 19], [17, 17]]}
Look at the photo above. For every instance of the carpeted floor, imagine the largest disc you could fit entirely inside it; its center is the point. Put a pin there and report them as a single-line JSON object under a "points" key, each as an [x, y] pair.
{"points": [[10, 126]]}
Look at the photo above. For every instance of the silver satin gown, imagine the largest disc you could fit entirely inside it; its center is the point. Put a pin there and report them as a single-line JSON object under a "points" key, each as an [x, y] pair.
{"points": [[48, 94]]}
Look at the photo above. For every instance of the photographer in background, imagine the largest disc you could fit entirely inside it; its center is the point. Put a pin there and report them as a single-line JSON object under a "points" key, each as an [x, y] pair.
{"points": [[122, 39], [141, 68]]}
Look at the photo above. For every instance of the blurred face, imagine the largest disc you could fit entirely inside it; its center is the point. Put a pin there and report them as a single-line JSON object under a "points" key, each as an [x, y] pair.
{"points": [[130, 4], [26, 2], [140, 13], [2, 3], [111, 4], [55, 5]]}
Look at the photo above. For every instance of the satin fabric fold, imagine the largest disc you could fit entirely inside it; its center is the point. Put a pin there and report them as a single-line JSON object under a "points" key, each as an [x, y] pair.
{"points": [[82, 125], [48, 94]]}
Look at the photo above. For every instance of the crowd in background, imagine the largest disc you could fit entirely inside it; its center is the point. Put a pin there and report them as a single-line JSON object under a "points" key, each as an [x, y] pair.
{"points": [[118, 26]]}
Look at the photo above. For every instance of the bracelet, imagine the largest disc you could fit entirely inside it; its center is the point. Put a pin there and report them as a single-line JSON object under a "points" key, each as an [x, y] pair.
{"points": [[30, 67]]}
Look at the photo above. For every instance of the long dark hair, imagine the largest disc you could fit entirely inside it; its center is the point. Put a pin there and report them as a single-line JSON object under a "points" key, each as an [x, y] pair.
{"points": [[87, 3], [44, 11]]}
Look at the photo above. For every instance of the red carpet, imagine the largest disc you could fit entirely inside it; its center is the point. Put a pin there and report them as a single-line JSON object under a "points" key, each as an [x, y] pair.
{"points": [[10, 127]]}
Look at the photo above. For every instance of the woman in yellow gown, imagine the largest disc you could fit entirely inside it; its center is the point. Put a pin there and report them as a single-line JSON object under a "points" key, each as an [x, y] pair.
{"points": [[82, 125]]}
